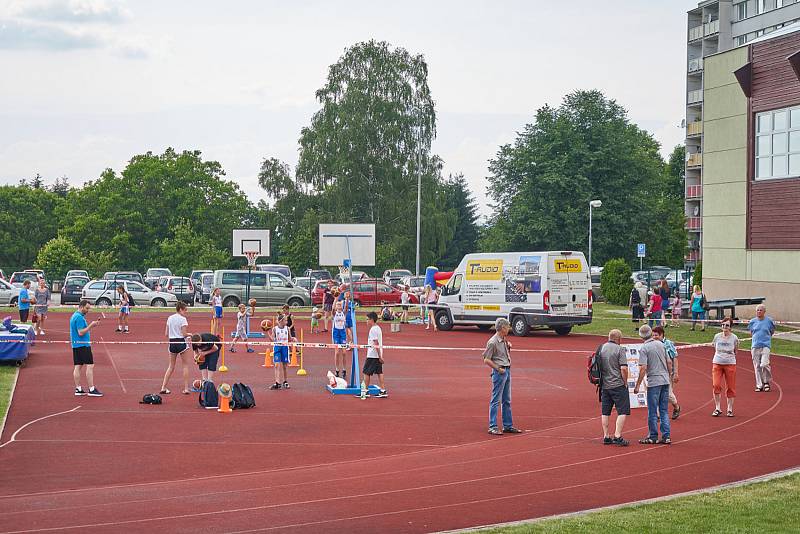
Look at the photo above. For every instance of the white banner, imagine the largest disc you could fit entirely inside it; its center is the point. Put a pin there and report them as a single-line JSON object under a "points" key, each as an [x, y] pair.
{"points": [[638, 400]]}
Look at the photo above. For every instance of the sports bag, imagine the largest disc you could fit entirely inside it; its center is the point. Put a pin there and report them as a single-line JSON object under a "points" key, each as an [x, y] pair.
{"points": [[242, 397], [593, 367], [151, 398], [636, 298], [209, 398]]}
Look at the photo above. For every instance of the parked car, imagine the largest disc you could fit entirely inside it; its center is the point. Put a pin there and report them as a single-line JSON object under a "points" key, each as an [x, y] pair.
{"points": [[318, 274], [104, 293], [9, 295], [269, 289], [39, 272], [318, 291], [375, 292], [597, 293], [202, 289], [305, 282], [17, 278], [76, 272], [72, 290], [195, 275], [393, 276], [152, 275], [132, 276], [180, 286], [675, 283], [415, 284], [275, 268], [345, 278]]}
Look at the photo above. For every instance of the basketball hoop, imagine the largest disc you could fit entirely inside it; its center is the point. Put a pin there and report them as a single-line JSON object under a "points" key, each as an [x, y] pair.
{"points": [[251, 259]]}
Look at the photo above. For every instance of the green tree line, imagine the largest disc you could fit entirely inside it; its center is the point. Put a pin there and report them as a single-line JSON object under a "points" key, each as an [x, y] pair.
{"points": [[361, 158]]}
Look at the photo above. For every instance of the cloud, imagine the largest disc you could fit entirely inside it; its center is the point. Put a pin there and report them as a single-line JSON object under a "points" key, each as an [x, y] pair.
{"points": [[72, 11], [21, 35]]}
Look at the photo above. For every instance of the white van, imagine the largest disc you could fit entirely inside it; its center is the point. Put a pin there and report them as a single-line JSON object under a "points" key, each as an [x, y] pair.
{"points": [[531, 289]]}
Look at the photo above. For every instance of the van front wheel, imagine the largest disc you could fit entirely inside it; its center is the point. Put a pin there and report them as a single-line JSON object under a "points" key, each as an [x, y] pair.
{"points": [[443, 321], [520, 326], [563, 330]]}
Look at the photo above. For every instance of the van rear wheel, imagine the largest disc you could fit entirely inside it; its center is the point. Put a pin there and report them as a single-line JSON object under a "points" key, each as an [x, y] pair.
{"points": [[562, 330], [443, 321], [519, 325], [230, 302]]}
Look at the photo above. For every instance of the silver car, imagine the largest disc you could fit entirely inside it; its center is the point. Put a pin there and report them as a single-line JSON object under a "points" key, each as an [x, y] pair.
{"points": [[8, 294], [104, 293], [269, 289]]}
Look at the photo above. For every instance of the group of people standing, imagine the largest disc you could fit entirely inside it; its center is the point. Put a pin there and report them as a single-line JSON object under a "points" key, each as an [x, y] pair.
{"points": [[39, 299]]}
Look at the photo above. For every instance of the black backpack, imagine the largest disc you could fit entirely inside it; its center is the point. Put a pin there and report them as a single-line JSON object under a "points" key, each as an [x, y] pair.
{"points": [[593, 369], [209, 398], [636, 298], [130, 299], [151, 398], [242, 397]]}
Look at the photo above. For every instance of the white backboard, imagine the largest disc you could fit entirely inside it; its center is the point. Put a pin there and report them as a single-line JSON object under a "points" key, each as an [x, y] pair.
{"points": [[251, 241], [333, 244]]}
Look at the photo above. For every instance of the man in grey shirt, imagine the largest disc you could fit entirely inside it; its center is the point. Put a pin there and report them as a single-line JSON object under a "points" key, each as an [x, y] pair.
{"points": [[614, 387], [497, 356], [654, 364]]}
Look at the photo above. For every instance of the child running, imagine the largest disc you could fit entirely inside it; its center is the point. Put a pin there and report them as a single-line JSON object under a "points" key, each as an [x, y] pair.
{"points": [[280, 334], [339, 337], [373, 365], [241, 328], [216, 315], [124, 309]]}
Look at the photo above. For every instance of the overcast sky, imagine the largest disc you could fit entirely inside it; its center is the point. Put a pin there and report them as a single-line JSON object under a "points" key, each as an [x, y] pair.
{"points": [[87, 84]]}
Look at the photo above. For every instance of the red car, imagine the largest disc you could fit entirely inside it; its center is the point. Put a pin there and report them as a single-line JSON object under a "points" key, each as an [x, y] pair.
{"points": [[374, 292], [318, 292]]}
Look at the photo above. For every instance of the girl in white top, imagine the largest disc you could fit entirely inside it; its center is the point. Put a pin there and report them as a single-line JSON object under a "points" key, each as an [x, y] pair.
{"points": [[724, 366], [216, 312], [404, 299], [177, 332]]}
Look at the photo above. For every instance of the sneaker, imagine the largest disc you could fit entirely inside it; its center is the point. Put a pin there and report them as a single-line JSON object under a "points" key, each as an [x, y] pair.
{"points": [[620, 442], [286, 385], [232, 350], [676, 412], [364, 394], [250, 349], [126, 331], [275, 386], [344, 375], [94, 392], [494, 431], [118, 330], [41, 332], [337, 373], [511, 430], [79, 392], [382, 394], [607, 441]]}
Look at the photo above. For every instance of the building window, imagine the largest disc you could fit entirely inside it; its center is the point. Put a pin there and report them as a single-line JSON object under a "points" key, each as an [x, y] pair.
{"points": [[741, 11], [778, 143], [760, 7]]}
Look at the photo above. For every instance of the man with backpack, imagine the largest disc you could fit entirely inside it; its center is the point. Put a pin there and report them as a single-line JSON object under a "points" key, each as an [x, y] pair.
{"points": [[613, 364]]}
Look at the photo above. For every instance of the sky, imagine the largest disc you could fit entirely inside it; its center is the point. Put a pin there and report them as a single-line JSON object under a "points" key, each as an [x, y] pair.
{"points": [[88, 84]]}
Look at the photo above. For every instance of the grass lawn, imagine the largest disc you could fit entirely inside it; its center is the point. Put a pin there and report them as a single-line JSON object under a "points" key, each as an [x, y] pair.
{"points": [[769, 506], [7, 373], [605, 319]]}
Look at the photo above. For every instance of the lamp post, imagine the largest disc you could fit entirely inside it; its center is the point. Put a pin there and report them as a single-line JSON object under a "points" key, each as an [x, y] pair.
{"points": [[592, 204]]}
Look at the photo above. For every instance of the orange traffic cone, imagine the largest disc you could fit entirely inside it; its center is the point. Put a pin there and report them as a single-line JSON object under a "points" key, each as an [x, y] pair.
{"points": [[293, 362], [224, 405], [267, 359]]}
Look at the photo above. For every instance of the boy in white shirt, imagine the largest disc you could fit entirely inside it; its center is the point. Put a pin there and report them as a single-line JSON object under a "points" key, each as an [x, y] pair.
{"points": [[241, 328], [373, 365]]}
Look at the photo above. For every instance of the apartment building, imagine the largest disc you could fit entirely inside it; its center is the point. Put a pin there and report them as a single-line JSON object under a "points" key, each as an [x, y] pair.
{"points": [[715, 26]]}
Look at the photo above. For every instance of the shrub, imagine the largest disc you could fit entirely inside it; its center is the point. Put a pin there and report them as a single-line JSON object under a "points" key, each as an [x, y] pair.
{"points": [[615, 282], [697, 275]]}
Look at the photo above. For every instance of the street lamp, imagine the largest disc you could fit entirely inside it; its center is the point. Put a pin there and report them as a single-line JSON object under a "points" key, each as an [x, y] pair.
{"points": [[592, 204]]}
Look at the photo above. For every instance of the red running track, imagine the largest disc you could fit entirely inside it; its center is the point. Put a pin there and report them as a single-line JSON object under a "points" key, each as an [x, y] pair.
{"points": [[303, 460]]}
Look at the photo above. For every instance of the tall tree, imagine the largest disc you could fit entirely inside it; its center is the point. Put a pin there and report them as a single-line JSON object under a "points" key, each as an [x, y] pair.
{"points": [[465, 235], [583, 150], [27, 222]]}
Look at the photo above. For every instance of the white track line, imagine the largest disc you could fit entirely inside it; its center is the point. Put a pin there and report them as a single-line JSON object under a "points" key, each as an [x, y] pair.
{"points": [[29, 423], [114, 365], [10, 398]]}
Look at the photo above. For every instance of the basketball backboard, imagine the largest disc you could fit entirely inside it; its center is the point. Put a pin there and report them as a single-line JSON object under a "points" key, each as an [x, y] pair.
{"points": [[249, 240], [334, 240]]}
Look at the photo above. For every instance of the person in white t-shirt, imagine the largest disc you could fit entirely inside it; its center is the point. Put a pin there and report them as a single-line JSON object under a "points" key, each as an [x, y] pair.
{"points": [[724, 366], [373, 365], [178, 332], [404, 300]]}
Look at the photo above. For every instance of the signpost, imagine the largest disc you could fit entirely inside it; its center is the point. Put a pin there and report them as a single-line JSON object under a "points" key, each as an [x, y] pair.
{"points": [[641, 252]]}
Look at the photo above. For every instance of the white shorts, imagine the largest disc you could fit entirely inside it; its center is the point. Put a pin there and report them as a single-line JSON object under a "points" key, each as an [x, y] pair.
{"points": [[241, 333]]}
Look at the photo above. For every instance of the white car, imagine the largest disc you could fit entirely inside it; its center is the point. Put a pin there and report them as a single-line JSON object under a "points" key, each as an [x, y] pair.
{"points": [[415, 284], [104, 293], [8, 294]]}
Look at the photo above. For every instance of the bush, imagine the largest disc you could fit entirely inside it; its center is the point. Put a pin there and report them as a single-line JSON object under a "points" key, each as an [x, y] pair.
{"points": [[697, 275], [615, 282], [58, 256]]}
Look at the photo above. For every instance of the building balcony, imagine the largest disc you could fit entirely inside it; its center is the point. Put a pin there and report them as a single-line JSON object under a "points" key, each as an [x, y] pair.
{"points": [[694, 97], [693, 255], [711, 28], [694, 128], [694, 223], [696, 65], [694, 160], [694, 191], [696, 33]]}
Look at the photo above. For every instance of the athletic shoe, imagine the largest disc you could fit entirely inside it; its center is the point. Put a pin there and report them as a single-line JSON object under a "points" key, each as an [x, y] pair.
{"points": [[511, 430], [41, 332], [608, 441], [493, 430], [94, 392], [676, 412], [79, 392], [337, 374], [126, 331], [118, 330], [275, 386], [231, 350], [382, 394], [286, 385], [344, 375], [621, 442], [250, 350], [364, 394]]}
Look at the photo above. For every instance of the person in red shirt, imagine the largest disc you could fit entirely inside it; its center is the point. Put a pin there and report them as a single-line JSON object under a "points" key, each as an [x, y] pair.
{"points": [[655, 309]]}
